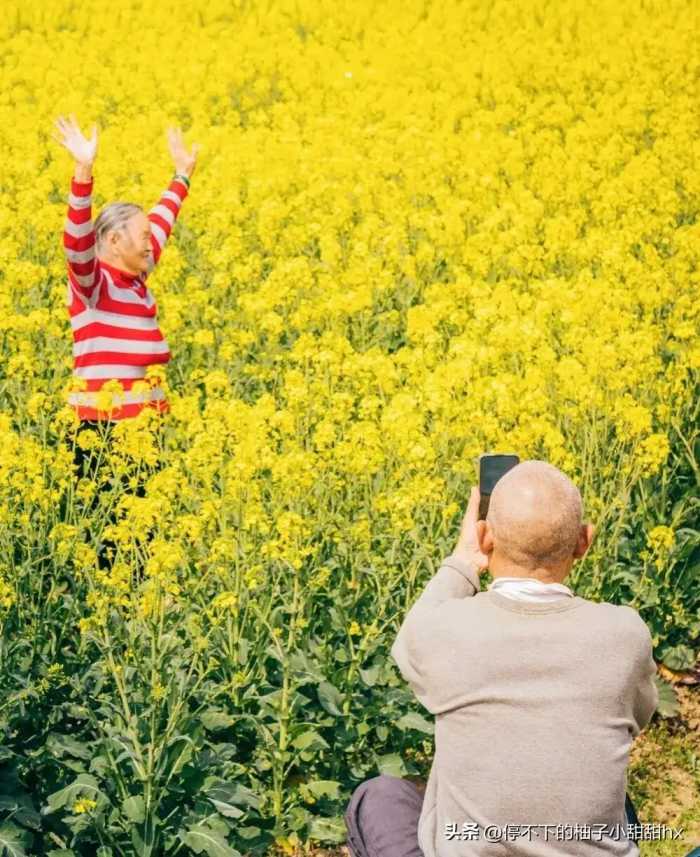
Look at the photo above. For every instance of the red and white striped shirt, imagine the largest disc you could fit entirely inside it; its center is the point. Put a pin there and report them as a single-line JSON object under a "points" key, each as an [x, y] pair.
{"points": [[112, 312]]}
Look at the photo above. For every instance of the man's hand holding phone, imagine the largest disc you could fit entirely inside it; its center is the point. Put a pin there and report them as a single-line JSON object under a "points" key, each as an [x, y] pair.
{"points": [[492, 466], [468, 542]]}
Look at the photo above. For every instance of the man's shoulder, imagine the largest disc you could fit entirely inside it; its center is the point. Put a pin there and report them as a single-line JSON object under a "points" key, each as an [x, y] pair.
{"points": [[623, 619], [619, 612], [620, 617]]}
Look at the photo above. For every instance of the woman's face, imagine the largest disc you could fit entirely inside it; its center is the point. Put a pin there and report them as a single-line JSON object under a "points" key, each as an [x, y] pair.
{"points": [[132, 244]]}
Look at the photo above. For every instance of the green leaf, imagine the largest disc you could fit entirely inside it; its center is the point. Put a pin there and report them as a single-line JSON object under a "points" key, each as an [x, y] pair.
{"points": [[668, 705], [305, 667], [79, 823], [134, 808], [330, 698], [249, 832], [217, 825], [215, 721], [243, 651], [243, 796], [203, 840], [309, 740], [221, 797], [650, 598], [227, 797], [85, 784], [370, 675], [391, 764], [272, 699], [136, 840], [21, 809], [324, 788], [679, 658], [13, 840], [178, 753], [328, 829], [414, 720], [297, 818], [271, 650], [65, 745]]}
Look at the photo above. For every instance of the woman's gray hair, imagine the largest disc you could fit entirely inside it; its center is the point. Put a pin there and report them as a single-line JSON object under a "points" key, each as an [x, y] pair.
{"points": [[113, 216]]}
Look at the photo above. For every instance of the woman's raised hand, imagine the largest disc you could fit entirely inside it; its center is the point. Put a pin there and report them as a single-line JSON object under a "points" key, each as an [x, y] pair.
{"points": [[83, 149], [184, 161]]}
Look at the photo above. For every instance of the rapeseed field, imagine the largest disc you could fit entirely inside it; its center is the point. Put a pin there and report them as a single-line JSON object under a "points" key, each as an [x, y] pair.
{"points": [[417, 231]]}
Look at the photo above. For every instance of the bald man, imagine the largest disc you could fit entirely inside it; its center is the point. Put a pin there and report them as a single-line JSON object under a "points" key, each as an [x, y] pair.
{"points": [[537, 694]]}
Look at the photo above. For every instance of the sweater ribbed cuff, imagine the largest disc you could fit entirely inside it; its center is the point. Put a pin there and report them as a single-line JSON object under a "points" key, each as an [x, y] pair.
{"points": [[80, 188], [468, 570]]}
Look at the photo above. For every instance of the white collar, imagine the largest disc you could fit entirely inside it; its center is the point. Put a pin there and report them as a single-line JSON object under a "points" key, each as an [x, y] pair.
{"points": [[530, 589]]}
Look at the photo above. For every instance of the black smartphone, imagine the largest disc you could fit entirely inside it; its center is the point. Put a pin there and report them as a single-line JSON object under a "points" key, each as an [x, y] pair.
{"points": [[491, 468]]}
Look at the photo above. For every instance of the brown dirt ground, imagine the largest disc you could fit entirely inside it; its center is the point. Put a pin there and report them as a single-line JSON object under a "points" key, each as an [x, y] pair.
{"points": [[665, 771]]}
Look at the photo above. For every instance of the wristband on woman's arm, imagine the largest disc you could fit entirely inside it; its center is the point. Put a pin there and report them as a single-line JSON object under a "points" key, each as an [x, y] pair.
{"points": [[184, 179]]}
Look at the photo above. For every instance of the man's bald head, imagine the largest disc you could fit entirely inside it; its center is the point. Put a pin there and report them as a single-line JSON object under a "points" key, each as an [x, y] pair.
{"points": [[535, 515]]}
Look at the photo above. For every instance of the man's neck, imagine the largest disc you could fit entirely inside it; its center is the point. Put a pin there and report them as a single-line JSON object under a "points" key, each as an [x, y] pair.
{"points": [[544, 575]]}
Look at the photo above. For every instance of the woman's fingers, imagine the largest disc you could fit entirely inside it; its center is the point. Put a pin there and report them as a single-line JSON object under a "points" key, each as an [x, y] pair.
{"points": [[178, 150], [177, 136], [67, 126], [69, 135], [74, 129], [172, 141], [63, 137]]}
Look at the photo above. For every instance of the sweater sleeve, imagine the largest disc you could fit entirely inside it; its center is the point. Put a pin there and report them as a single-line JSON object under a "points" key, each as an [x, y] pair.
{"points": [[163, 216], [79, 238], [646, 697], [415, 648]]}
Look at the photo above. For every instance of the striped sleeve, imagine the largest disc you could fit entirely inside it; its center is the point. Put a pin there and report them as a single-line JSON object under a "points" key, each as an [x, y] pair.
{"points": [[79, 237], [163, 216]]}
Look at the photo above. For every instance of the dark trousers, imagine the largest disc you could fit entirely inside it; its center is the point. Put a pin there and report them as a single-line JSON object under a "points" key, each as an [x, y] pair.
{"points": [[88, 462], [382, 818]]}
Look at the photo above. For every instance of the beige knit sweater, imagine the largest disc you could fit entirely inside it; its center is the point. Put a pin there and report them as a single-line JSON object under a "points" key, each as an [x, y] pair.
{"points": [[536, 706]]}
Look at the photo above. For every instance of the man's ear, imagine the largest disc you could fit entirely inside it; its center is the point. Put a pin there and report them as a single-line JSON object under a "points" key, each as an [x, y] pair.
{"points": [[585, 538], [484, 536]]}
